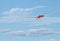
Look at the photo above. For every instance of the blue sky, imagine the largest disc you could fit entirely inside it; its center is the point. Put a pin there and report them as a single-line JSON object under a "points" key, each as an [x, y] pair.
{"points": [[17, 22]]}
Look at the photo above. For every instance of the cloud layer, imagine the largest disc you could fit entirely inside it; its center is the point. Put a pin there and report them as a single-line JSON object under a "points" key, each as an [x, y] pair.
{"points": [[31, 32], [24, 15]]}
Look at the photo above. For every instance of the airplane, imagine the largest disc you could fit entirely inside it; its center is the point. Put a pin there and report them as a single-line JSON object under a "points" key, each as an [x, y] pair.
{"points": [[39, 16]]}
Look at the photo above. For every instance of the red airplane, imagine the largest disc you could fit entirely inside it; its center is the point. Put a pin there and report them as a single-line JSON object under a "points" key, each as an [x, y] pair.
{"points": [[40, 16]]}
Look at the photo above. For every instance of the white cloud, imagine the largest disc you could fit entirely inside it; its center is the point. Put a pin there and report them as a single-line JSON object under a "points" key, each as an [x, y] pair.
{"points": [[5, 30], [55, 13], [39, 7], [17, 15], [51, 20], [32, 32], [17, 33], [48, 40], [33, 8], [23, 15], [13, 11], [52, 40]]}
